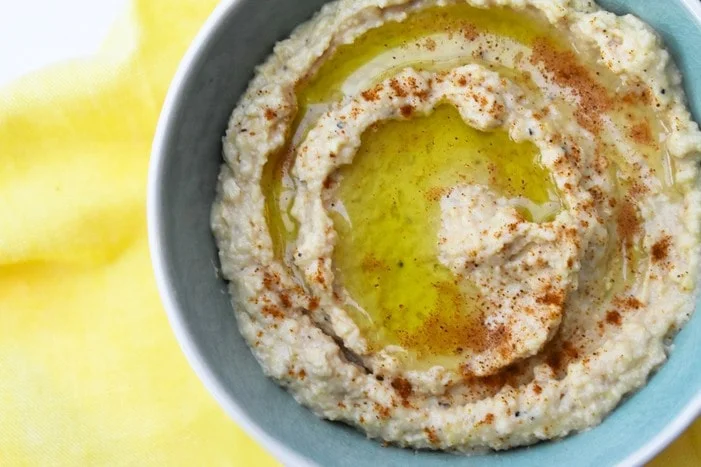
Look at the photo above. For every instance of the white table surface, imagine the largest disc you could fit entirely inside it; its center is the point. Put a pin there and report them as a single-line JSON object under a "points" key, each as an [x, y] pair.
{"points": [[36, 33]]}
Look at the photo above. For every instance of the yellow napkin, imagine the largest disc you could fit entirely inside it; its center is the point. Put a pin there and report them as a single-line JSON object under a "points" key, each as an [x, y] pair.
{"points": [[89, 370]]}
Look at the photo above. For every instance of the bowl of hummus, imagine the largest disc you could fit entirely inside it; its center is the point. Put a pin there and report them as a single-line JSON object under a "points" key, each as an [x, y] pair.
{"points": [[406, 232]]}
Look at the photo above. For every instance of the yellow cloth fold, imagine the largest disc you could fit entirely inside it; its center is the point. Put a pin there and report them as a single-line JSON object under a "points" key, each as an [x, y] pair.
{"points": [[90, 373]]}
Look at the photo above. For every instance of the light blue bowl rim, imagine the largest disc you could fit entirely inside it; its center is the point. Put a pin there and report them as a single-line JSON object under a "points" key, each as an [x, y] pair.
{"points": [[196, 360]]}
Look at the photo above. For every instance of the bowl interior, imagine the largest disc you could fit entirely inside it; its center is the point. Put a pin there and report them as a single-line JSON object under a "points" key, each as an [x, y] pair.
{"points": [[184, 171]]}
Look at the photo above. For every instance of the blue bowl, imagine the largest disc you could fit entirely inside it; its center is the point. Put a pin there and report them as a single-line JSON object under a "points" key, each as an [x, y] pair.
{"points": [[183, 172]]}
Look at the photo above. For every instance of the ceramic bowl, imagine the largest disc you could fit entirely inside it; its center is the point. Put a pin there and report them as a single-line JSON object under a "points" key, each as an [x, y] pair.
{"points": [[184, 166]]}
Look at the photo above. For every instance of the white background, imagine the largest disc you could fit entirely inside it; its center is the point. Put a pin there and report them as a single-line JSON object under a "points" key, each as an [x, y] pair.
{"points": [[35, 33]]}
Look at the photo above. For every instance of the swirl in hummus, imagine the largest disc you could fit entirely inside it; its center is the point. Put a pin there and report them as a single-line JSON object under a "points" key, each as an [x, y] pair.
{"points": [[462, 225]]}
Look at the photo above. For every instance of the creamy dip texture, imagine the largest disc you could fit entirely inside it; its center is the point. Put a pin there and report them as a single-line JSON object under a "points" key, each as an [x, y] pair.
{"points": [[465, 224]]}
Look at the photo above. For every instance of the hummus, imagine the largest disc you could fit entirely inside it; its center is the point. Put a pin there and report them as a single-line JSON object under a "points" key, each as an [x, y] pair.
{"points": [[462, 225]]}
